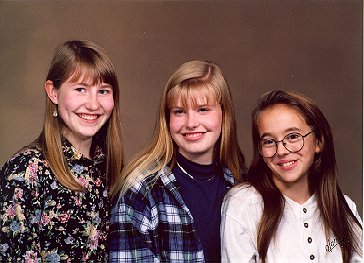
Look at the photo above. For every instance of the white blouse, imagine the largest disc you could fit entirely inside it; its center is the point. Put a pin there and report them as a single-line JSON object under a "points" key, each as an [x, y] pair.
{"points": [[300, 237]]}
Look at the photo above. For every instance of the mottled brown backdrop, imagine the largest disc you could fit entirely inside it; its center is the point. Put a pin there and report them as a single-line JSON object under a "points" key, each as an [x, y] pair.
{"points": [[314, 47]]}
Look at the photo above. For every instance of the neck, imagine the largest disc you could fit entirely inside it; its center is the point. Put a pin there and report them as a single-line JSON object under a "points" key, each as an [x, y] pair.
{"points": [[195, 171], [203, 159], [82, 146], [297, 191]]}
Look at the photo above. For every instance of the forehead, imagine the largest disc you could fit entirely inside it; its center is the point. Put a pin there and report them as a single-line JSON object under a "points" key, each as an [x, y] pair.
{"points": [[84, 74], [185, 97], [280, 119]]}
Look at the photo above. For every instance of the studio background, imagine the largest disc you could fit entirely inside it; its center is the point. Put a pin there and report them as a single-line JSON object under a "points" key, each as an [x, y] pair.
{"points": [[313, 47]]}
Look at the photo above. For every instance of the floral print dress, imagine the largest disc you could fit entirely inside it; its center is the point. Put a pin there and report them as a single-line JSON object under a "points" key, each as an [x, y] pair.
{"points": [[41, 220]]}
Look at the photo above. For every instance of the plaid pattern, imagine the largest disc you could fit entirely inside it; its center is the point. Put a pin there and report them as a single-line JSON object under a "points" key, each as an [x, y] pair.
{"points": [[151, 223]]}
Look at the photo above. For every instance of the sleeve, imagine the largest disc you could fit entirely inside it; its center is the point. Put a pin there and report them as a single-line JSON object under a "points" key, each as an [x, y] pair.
{"points": [[356, 257], [237, 244], [20, 210], [353, 208], [131, 231]]}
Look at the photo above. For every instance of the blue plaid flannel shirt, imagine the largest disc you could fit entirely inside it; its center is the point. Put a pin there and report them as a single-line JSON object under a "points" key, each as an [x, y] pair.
{"points": [[151, 223]]}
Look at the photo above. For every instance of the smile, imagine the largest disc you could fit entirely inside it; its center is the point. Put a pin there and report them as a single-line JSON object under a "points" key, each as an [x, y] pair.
{"points": [[288, 164], [88, 117], [193, 135]]}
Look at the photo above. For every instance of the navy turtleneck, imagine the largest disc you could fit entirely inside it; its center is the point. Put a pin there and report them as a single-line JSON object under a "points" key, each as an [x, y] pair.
{"points": [[203, 196]]}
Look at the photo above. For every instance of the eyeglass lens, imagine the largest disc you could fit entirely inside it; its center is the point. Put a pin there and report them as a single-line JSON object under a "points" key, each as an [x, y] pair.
{"points": [[293, 142]]}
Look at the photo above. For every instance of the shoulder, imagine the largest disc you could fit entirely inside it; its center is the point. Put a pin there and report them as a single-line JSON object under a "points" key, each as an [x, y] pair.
{"points": [[145, 184], [22, 177], [141, 190], [140, 202], [244, 206], [242, 200], [352, 207], [229, 176], [28, 159], [350, 202], [244, 194]]}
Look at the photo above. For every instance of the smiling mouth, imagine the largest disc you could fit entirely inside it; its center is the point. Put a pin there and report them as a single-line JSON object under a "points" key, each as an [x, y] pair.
{"points": [[287, 164], [193, 135], [88, 117]]}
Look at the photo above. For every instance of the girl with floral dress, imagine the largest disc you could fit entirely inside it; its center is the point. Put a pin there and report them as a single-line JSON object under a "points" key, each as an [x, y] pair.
{"points": [[54, 192]]}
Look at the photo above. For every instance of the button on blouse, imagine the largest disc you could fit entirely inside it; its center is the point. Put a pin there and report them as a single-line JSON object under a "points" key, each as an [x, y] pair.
{"points": [[300, 236]]}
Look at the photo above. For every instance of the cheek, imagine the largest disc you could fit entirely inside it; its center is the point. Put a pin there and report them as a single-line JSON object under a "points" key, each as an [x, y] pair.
{"points": [[310, 155], [66, 104], [108, 105], [173, 130], [174, 124], [217, 124]]}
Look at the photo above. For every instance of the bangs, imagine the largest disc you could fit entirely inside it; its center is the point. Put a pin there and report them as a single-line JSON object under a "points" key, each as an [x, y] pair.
{"points": [[193, 95], [89, 73]]}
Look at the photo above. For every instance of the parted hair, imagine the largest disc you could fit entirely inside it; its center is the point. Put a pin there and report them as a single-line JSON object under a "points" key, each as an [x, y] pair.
{"points": [[75, 61], [191, 80], [322, 178]]}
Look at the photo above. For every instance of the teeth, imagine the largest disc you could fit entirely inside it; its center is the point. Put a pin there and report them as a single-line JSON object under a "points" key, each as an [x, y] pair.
{"points": [[193, 135], [288, 164], [87, 116]]}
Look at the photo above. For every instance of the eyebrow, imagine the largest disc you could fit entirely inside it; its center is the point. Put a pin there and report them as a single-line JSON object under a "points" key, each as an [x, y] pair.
{"points": [[101, 84], [292, 129], [197, 106]]}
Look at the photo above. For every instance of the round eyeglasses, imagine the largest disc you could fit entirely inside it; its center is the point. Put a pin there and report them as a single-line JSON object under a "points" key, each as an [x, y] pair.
{"points": [[293, 142]]}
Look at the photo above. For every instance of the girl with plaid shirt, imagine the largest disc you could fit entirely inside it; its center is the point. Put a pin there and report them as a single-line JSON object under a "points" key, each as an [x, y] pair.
{"points": [[167, 201]]}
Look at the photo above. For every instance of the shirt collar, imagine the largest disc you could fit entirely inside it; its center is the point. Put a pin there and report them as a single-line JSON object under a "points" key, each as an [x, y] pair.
{"points": [[309, 203], [71, 154], [168, 177]]}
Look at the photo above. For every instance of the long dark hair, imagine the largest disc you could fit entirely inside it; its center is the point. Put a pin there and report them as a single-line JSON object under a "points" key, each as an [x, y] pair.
{"points": [[322, 178]]}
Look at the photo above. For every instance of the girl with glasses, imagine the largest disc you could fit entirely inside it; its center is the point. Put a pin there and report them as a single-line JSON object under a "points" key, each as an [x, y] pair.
{"points": [[168, 199], [292, 208]]}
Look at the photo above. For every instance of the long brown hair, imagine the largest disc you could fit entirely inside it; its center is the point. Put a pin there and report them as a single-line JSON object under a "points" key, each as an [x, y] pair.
{"points": [[191, 78], [81, 59], [322, 178]]}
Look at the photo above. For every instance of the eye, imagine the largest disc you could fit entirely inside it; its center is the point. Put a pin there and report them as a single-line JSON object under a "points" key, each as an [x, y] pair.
{"points": [[203, 109], [177, 112], [80, 89], [291, 137], [268, 142], [105, 91]]}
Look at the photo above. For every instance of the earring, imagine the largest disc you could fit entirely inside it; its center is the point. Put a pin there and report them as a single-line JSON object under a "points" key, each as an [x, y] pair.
{"points": [[55, 113]]}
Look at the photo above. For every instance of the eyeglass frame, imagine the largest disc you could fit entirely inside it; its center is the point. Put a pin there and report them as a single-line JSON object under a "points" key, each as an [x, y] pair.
{"points": [[276, 143]]}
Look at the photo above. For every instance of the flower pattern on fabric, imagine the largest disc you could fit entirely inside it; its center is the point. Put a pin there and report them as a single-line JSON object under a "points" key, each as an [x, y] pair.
{"points": [[41, 220]]}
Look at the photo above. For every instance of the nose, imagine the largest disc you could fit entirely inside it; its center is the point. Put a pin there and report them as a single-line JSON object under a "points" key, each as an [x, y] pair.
{"points": [[281, 150], [192, 121], [92, 102]]}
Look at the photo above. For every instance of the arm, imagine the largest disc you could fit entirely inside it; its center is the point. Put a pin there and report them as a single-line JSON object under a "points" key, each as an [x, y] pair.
{"points": [[131, 238], [20, 210], [356, 257], [353, 208], [237, 245]]}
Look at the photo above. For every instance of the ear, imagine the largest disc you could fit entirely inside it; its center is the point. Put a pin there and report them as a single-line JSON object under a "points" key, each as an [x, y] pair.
{"points": [[51, 91], [318, 146]]}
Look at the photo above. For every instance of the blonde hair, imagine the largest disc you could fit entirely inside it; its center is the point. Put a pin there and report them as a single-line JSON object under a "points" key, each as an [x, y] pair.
{"points": [[77, 60], [191, 78]]}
